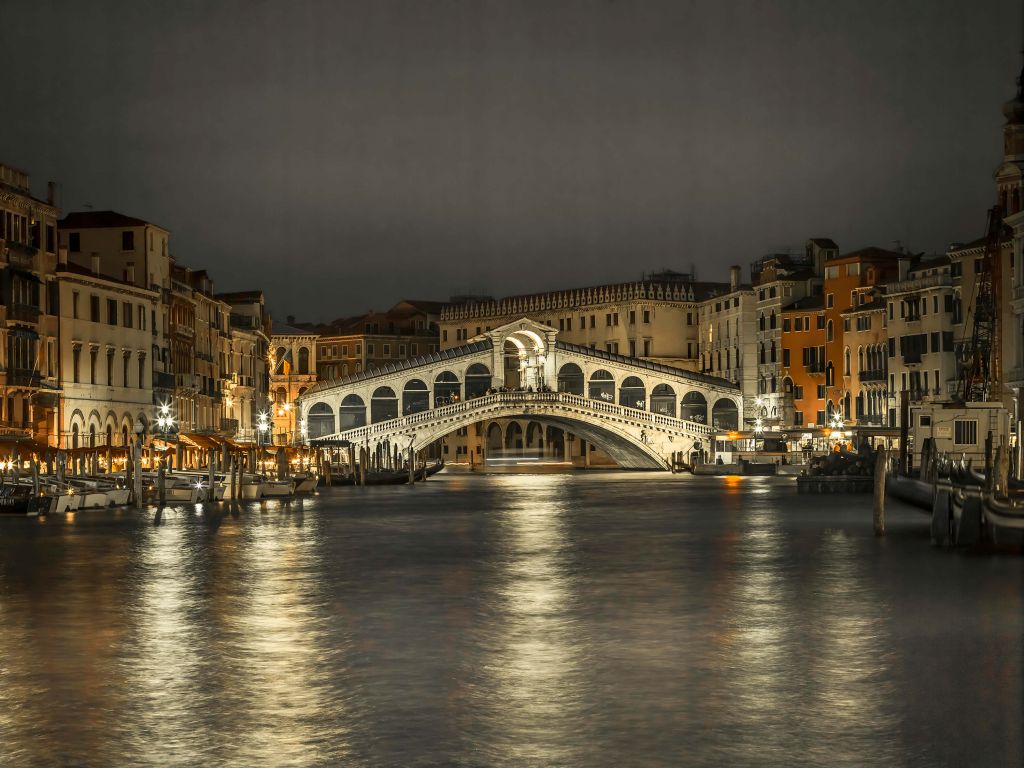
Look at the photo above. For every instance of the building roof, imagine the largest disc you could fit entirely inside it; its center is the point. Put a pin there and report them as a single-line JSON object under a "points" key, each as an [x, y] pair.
{"points": [[824, 242], [277, 328], [806, 303], [872, 252], [100, 220], [241, 297], [872, 306]]}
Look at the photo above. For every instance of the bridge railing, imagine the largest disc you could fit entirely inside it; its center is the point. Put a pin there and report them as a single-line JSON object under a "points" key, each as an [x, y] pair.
{"points": [[525, 399]]}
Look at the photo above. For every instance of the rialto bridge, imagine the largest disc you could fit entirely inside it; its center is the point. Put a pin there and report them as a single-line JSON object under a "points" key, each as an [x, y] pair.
{"points": [[639, 412]]}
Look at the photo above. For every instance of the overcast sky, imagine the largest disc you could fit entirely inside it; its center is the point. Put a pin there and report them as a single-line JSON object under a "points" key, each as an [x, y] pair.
{"points": [[343, 156]]}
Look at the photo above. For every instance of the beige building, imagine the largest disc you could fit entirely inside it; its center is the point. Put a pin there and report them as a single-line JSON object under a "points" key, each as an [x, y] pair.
{"points": [[28, 318], [135, 253], [105, 344], [246, 376], [728, 339]]}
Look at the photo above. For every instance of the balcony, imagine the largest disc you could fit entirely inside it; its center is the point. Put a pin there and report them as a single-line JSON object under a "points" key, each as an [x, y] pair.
{"points": [[184, 331], [23, 378], [163, 380], [229, 426], [24, 313], [871, 375]]}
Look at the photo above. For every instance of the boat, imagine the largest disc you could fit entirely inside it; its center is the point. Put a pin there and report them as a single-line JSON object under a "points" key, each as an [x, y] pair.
{"points": [[278, 488], [305, 483], [912, 490], [21, 500]]}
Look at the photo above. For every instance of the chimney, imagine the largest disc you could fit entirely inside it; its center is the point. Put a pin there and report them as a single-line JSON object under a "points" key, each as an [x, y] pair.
{"points": [[95, 263], [51, 189], [129, 273], [734, 277], [904, 266], [62, 257]]}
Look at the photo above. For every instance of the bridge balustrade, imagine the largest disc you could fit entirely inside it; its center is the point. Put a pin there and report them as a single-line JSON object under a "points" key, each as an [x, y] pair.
{"points": [[526, 399]]}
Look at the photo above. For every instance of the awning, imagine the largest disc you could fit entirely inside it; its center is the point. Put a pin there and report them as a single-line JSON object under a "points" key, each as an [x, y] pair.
{"points": [[195, 440]]}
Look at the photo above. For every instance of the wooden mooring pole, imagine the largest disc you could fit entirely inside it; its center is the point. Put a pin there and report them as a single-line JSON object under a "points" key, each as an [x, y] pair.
{"points": [[879, 511]]}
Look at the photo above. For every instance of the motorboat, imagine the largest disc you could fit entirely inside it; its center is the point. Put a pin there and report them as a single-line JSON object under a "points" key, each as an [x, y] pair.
{"points": [[21, 500]]}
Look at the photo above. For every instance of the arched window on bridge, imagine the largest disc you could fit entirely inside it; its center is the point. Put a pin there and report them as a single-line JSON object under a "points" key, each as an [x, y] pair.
{"points": [[415, 397], [570, 379], [303, 361], [352, 413], [494, 438], [478, 380], [602, 386], [320, 420], [694, 407], [663, 400], [535, 438], [633, 393], [725, 414], [383, 405], [446, 388]]}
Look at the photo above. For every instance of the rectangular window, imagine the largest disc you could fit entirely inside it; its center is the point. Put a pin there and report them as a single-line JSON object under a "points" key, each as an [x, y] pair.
{"points": [[890, 311], [593, 321], [647, 316], [829, 300], [632, 317], [785, 357], [414, 348], [935, 342], [647, 347], [615, 318], [94, 308], [369, 350], [76, 360], [126, 315], [821, 322], [965, 432], [127, 241], [935, 304], [142, 372], [689, 318], [74, 304], [444, 335], [387, 350], [110, 369], [75, 242], [124, 369], [359, 349], [401, 350], [111, 311], [798, 392], [561, 323], [92, 366], [632, 348], [786, 325], [798, 418], [821, 391], [608, 320]]}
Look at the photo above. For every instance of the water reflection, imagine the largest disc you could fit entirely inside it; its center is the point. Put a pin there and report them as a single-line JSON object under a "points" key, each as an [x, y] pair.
{"points": [[571, 620]]}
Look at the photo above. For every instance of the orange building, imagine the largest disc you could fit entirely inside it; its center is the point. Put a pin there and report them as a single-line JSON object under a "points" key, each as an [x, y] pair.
{"points": [[849, 282], [803, 359]]}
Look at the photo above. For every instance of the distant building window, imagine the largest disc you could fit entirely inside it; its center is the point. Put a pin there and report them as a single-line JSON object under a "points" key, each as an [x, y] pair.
{"points": [[965, 432], [111, 311], [94, 308], [647, 316], [74, 304], [75, 242], [128, 241], [387, 350], [126, 315], [829, 299]]}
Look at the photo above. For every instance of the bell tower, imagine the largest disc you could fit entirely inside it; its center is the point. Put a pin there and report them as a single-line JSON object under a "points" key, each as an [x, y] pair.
{"points": [[1010, 173]]}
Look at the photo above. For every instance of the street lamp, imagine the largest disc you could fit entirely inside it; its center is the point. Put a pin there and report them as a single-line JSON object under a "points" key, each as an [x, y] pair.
{"points": [[758, 427], [165, 420]]}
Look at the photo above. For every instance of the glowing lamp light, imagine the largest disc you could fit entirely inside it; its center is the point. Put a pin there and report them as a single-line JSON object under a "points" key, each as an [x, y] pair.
{"points": [[758, 427]]}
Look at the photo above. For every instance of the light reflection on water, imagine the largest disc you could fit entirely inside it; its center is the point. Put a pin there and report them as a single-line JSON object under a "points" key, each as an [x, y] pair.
{"points": [[510, 620]]}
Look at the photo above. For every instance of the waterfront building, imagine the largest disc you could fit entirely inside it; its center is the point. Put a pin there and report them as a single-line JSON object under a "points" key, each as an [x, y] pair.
{"points": [[802, 361], [355, 344], [29, 396], [849, 281], [135, 253], [293, 370], [727, 329], [105, 344], [923, 314], [247, 373], [782, 281], [865, 334]]}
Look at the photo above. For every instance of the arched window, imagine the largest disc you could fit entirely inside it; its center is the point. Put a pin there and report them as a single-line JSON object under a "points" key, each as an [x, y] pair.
{"points": [[415, 397], [570, 379], [602, 386], [478, 380], [633, 393], [846, 362], [352, 413], [383, 405], [303, 361], [760, 322], [694, 407], [772, 323], [830, 375], [447, 388], [74, 435], [772, 354], [725, 414], [320, 421], [663, 400]]}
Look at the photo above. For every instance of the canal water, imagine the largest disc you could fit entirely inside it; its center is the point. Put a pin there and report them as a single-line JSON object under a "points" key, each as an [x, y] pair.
{"points": [[581, 619]]}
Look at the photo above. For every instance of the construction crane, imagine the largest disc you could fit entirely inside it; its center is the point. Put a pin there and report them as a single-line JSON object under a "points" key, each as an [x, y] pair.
{"points": [[980, 373]]}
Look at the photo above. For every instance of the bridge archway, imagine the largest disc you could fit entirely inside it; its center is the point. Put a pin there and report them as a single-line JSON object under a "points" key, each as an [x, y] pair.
{"points": [[514, 436], [478, 380], [633, 393], [495, 440], [447, 388], [663, 400], [725, 414], [602, 386], [570, 379], [415, 397], [352, 413], [320, 420], [383, 405], [694, 407]]}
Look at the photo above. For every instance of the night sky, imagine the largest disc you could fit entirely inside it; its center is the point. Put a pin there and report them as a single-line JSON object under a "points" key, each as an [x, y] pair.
{"points": [[342, 156]]}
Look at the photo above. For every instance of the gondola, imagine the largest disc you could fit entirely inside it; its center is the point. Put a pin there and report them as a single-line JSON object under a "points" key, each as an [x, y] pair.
{"points": [[20, 500]]}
